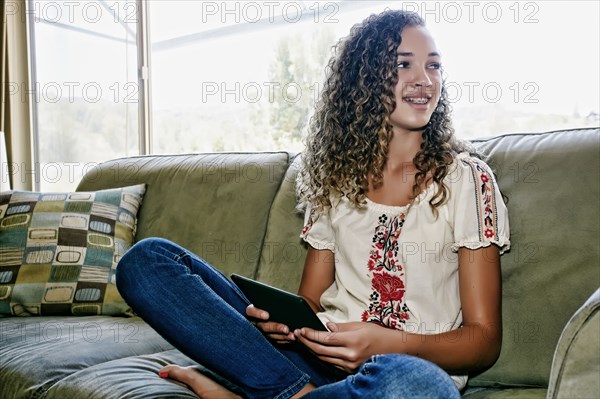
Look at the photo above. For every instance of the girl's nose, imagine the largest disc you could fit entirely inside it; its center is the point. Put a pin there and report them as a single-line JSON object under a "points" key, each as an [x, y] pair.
{"points": [[422, 79]]}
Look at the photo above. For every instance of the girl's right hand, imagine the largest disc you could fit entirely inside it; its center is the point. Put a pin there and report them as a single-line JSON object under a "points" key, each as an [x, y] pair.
{"points": [[277, 332]]}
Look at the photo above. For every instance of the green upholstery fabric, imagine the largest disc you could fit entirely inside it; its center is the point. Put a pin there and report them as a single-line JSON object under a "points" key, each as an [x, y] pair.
{"points": [[576, 367], [551, 181], [216, 205], [505, 393], [36, 353], [132, 378], [282, 257]]}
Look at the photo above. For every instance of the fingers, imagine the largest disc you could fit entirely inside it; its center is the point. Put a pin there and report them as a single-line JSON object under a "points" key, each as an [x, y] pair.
{"points": [[280, 337], [322, 337], [322, 346], [275, 331], [345, 345], [321, 343], [256, 313]]}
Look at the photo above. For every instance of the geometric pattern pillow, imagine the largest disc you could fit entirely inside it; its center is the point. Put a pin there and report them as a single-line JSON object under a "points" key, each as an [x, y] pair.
{"points": [[59, 251]]}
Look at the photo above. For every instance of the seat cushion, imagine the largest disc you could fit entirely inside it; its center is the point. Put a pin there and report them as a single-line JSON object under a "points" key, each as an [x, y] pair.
{"points": [[505, 393], [38, 352], [131, 377]]}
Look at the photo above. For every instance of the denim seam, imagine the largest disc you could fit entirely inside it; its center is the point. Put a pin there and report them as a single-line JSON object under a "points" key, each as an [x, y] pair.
{"points": [[238, 291], [177, 258], [294, 388]]}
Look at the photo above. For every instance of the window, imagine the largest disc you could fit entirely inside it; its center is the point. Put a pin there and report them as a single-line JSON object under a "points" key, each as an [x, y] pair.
{"points": [[236, 76], [85, 80], [244, 75]]}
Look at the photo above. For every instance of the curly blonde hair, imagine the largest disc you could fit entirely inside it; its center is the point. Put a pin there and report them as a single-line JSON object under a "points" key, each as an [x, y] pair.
{"points": [[350, 131]]}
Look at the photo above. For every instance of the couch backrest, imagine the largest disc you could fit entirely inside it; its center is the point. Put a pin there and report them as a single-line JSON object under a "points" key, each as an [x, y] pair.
{"points": [[552, 184], [213, 204], [282, 258]]}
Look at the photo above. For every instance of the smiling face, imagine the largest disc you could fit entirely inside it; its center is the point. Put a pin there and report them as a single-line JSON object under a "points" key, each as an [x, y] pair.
{"points": [[419, 80]]}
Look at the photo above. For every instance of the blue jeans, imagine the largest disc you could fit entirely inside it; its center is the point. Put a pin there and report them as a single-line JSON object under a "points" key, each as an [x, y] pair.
{"points": [[202, 313]]}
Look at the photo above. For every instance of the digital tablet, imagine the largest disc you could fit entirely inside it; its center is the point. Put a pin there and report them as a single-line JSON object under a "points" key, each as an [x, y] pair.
{"points": [[283, 307]]}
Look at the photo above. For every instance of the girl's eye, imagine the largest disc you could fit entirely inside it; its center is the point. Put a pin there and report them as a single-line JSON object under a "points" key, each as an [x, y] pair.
{"points": [[435, 65], [402, 64]]}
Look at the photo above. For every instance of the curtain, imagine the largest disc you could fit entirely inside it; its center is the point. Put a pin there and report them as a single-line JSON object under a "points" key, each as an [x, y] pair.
{"points": [[15, 119]]}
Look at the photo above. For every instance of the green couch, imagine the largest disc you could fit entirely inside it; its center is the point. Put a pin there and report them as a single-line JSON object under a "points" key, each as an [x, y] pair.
{"points": [[237, 211]]}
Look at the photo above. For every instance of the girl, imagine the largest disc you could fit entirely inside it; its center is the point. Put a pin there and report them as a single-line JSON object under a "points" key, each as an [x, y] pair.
{"points": [[404, 229]]}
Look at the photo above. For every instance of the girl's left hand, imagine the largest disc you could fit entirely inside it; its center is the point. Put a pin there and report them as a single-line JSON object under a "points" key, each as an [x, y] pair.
{"points": [[346, 345]]}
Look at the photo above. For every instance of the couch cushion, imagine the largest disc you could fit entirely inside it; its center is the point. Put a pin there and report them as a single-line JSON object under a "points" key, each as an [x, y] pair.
{"points": [[283, 252], [505, 393], [552, 184], [38, 352], [576, 365], [216, 205], [131, 377], [58, 251]]}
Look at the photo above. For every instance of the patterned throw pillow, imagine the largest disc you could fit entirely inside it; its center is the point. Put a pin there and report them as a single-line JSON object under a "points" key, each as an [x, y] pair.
{"points": [[59, 251]]}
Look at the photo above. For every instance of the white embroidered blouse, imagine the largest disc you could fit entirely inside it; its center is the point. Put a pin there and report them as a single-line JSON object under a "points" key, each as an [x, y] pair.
{"points": [[398, 266]]}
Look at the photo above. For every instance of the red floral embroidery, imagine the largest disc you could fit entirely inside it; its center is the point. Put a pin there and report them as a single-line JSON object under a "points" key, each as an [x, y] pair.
{"points": [[487, 191], [391, 288], [309, 223], [486, 200], [384, 253], [386, 307], [305, 229]]}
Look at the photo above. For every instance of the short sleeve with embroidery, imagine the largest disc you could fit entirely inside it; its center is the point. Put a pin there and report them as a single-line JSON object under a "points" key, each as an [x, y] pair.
{"points": [[479, 215]]}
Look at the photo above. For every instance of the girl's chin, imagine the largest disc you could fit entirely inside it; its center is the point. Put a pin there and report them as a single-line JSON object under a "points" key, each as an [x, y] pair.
{"points": [[410, 119], [412, 126]]}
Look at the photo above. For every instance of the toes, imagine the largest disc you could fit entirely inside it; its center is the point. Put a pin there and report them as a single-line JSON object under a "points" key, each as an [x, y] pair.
{"points": [[191, 377], [164, 372], [170, 371]]}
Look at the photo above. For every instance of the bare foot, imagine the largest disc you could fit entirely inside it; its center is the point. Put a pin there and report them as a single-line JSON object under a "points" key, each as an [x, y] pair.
{"points": [[203, 386]]}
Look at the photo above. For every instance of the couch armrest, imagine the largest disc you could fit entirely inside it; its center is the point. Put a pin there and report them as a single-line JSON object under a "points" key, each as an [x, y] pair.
{"points": [[576, 365]]}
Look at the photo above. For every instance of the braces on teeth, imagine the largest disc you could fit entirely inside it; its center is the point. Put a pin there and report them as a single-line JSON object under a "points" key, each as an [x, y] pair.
{"points": [[417, 100]]}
